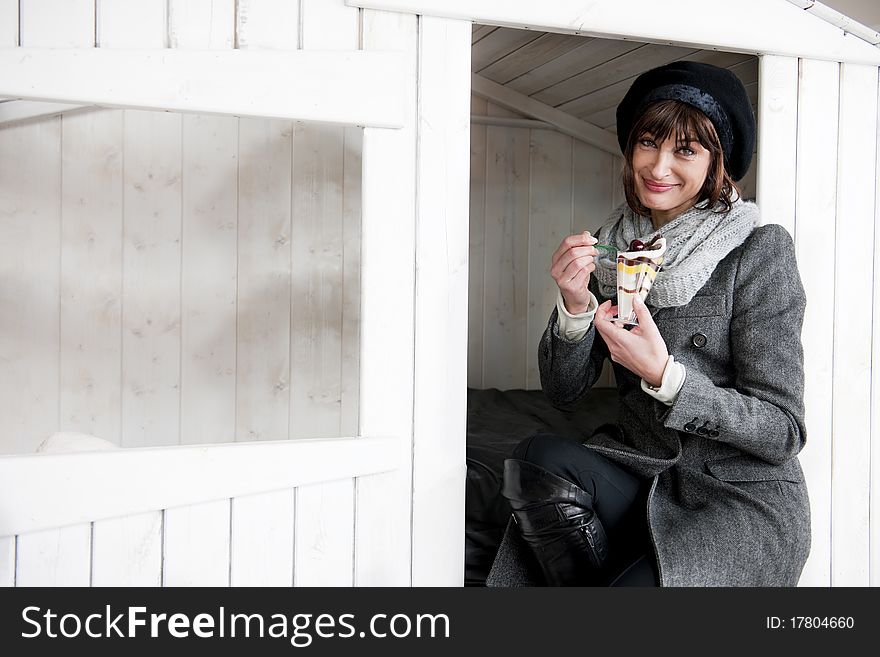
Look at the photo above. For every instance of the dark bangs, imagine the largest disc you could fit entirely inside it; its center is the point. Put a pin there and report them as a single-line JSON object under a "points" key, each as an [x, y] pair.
{"points": [[671, 118]]}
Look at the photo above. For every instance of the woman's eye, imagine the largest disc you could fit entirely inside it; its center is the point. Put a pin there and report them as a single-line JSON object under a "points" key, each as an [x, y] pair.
{"points": [[647, 142], [686, 151]]}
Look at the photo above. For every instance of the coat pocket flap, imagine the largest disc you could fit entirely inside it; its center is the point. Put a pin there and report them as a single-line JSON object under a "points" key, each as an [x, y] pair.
{"points": [[702, 305], [743, 468]]}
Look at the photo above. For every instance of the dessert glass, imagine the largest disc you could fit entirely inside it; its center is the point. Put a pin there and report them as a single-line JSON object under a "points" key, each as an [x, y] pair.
{"points": [[636, 271]]}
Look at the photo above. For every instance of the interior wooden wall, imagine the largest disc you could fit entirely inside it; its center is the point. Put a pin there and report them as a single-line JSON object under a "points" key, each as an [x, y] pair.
{"points": [[529, 189], [178, 279]]}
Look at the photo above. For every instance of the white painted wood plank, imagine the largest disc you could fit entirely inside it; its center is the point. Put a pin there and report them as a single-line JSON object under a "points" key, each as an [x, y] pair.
{"points": [[441, 303], [7, 561], [30, 192], [563, 122], [366, 89], [196, 545], [209, 247], [777, 140], [324, 535], [476, 246], [268, 24], [263, 361], [571, 95], [383, 529], [127, 551], [481, 32], [604, 98], [590, 53], [316, 295], [600, 107], [617, 187], [619, 198], [607, 89], [720, 58], [326, 249], [91, 274], [24, 110], [59, 557], [208, 294], [132, 24], [594, 179], [746, 71], [550, 219], [202, 24], [637, 19], [506, 252], [595, 176], [262, 539], [317, 237], [874, 520], [545, 48], [748, 183], [605, 118], [151, 280], [150, 239], [91, 254], [57, 23], [189, 475], [498, 44], [351, 280], [495, 111], [815, 219], [55, 557], [752, 94], [9, 22], [329, 25], [851, 412]]}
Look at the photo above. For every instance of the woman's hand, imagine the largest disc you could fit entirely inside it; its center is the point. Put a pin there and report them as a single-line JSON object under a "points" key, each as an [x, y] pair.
{"points": [[571, 266], [640, 350]]}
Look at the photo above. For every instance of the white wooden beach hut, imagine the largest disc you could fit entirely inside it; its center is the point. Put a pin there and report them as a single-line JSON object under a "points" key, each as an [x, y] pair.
{"points": [[238, 240]]}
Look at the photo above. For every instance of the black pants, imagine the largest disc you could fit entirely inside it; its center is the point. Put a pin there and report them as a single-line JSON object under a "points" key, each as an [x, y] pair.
{"points": [[619, 500]]}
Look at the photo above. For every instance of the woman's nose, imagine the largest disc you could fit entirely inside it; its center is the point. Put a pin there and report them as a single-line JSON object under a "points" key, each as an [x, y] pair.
{"points": [[661, 164]]}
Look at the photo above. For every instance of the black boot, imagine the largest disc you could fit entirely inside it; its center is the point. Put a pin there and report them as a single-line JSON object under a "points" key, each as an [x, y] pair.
{"points": [[556, 519]]}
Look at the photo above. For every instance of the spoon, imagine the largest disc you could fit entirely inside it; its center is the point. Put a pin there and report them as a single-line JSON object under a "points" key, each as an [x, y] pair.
{"points": [[605, 247]]}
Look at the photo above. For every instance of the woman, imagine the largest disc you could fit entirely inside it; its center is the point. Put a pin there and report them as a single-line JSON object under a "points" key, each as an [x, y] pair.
{"points": [[697, 483]]}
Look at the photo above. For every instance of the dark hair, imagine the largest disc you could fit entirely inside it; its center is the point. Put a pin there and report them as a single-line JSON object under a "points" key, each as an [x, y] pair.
{"points": [[687, 123]]}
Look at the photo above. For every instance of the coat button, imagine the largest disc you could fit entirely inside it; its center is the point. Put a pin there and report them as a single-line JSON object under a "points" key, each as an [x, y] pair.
{"points": [[714, 433], [699, 340], [691, 426]]}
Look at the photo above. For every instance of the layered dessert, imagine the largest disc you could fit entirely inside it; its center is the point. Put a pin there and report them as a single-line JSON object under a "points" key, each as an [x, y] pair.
{"points": [[636, 270]]}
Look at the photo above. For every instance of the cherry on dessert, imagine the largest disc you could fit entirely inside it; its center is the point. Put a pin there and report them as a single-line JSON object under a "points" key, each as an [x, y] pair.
{"points": [[636, 245]]}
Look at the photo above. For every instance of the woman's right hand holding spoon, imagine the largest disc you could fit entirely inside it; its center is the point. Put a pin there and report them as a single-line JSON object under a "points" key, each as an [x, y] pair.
{"points": [[571, 266]]}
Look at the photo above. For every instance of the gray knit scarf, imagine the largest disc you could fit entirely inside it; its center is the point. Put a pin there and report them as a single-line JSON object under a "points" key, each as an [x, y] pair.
{"points": [[696, 241]]}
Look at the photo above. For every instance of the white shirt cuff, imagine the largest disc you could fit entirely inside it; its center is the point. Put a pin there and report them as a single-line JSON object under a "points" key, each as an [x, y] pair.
{"points": [[671, 383], [575, 327]]}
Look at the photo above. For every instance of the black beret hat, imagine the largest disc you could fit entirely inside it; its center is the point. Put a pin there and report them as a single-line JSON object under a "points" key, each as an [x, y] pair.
{"points": [[715, 91]]}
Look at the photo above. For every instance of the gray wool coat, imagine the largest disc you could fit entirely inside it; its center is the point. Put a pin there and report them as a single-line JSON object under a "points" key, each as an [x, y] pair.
{"points": [[728, 507]]}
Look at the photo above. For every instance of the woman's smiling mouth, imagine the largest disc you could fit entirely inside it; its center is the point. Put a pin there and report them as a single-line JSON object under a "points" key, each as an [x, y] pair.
{"points": [[655, 186]]}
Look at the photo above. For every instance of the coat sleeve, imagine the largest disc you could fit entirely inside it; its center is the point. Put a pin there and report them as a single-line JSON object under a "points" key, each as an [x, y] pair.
{"points": [[763, 412], [569, 368]]}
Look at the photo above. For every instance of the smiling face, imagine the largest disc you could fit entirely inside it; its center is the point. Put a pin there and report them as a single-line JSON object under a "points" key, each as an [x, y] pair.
{"points": [[669, 175], [674, 161]]}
